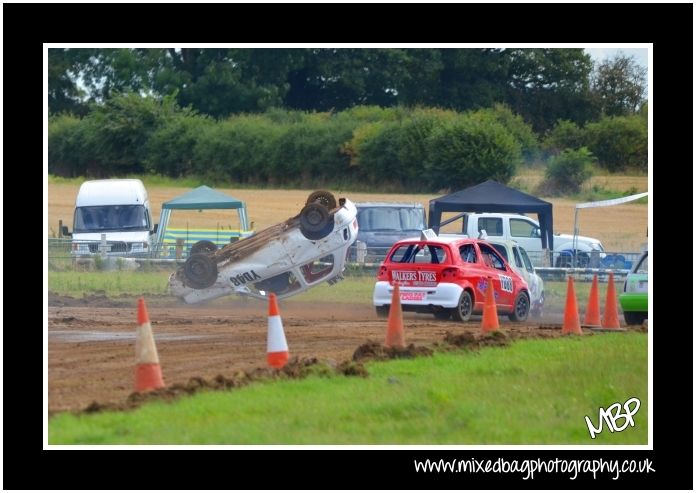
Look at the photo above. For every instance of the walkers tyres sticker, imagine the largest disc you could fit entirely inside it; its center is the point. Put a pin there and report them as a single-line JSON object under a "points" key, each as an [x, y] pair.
{"points": [[505, 283], [414, 278]]}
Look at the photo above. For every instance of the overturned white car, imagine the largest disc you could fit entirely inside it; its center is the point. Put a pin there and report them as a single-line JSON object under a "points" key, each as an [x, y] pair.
{"points": [[285, 259]]}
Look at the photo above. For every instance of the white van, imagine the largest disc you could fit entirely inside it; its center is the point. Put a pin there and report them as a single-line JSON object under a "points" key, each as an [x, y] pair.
{"points": [[117, 209]]}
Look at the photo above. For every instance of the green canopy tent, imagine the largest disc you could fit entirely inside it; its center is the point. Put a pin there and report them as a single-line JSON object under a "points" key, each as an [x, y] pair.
{"points": [[201, 198]]}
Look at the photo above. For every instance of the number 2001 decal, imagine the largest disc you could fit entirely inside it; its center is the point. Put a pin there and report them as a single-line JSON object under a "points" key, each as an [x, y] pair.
{"points": [[506, 283]]}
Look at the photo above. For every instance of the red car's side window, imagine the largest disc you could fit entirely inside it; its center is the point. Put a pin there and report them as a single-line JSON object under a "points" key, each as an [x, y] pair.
{"points": [[468, 253], [491, 258]]}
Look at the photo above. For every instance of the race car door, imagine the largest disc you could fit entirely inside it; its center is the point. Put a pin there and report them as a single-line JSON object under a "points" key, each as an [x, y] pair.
{"points": [[497, 272]]}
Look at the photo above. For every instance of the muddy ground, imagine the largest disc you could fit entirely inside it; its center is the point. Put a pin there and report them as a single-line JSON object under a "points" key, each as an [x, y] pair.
{"points": [[91, 344]]}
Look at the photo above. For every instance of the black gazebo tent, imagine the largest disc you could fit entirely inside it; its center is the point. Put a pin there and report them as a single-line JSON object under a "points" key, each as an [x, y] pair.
{"points": [[492, 196]]}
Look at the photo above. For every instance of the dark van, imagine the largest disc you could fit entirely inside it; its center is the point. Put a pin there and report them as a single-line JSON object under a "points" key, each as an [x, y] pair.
{"points": [[381, 224]]}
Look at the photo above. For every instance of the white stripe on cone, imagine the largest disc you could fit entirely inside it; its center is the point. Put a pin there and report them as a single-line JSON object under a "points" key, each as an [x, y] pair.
{"points": [[145, 350], [276, 335]]}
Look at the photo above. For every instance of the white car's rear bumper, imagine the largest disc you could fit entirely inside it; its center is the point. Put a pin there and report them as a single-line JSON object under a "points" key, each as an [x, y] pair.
{"points": [[445, 294]]}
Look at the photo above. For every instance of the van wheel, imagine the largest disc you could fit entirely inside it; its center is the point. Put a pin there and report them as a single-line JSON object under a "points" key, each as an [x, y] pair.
{"points": [[322, 197], [315, 221], [203, 246], [520, 309], [200, 271], [462, 312]]}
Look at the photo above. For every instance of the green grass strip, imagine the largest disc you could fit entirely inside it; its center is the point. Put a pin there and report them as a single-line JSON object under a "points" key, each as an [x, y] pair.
{"points": [[115, 283], [354, 288], [532, 392]]}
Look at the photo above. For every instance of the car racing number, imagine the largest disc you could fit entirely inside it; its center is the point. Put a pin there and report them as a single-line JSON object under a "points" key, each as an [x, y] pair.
{"points": [[245, 277], [506, 283]]}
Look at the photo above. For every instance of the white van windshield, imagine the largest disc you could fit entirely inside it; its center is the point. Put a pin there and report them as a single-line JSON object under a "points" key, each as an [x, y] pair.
{"points": [[390, 219], [111, 218]]}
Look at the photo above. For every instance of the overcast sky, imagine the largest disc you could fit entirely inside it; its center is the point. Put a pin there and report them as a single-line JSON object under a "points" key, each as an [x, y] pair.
{"points": [[640, 54]]}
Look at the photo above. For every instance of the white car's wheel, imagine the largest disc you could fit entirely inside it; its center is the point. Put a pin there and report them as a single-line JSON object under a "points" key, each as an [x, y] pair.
{"points": [[315, 221], [538, 309], [203, 246], [324, 198], [200, 271]]}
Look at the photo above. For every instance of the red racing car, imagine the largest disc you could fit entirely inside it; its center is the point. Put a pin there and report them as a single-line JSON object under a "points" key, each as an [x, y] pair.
{"points": [[448, 277]]}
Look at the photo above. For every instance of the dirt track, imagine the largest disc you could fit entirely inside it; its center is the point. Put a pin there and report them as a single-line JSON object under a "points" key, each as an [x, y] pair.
{"points": [[91, 348]]}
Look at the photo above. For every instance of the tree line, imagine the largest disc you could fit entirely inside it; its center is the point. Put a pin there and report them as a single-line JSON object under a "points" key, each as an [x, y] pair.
{"points": [[370, 147], [542, 85]]}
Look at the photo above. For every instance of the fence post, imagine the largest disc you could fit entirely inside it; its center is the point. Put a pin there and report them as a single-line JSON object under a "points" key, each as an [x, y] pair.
{"points": [[60, 228], [546, 258], [361, 248], [594, 259], [179, 248]]}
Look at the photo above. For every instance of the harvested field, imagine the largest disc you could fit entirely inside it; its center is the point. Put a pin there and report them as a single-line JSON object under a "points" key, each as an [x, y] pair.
{"points": [[621, 228]]}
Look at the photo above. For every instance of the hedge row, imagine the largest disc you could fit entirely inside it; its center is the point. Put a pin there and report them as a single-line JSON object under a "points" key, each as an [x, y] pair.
{"points": [[618, 142], [422, 149]]}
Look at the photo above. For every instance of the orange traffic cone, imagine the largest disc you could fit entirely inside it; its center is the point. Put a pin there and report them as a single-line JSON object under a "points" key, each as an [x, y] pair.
{"points": [[489, 322], [148, 374], [277, 347], [571, 318], [611, 311], [592, 312], [395, 322]]}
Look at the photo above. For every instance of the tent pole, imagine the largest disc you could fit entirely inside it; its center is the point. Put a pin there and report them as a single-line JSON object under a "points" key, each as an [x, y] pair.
{"points": [[575, 238], [164, 219]]}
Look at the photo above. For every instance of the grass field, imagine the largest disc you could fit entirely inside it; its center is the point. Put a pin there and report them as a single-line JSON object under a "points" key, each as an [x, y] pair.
{"points": [[621, 228], [78, 284], [532, 392], [357, 289]]}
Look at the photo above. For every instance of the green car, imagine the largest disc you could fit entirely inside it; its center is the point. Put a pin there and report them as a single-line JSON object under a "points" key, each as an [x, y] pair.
{"points": [[634, 299]]}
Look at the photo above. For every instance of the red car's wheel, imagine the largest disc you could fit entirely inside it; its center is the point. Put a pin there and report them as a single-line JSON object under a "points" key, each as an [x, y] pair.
{"points": [[382, 311], [462, 312], [520, 309]]}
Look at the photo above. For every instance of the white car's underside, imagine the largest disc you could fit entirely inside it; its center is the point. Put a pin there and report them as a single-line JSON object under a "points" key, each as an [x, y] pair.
{"points": [[286, 259]]}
